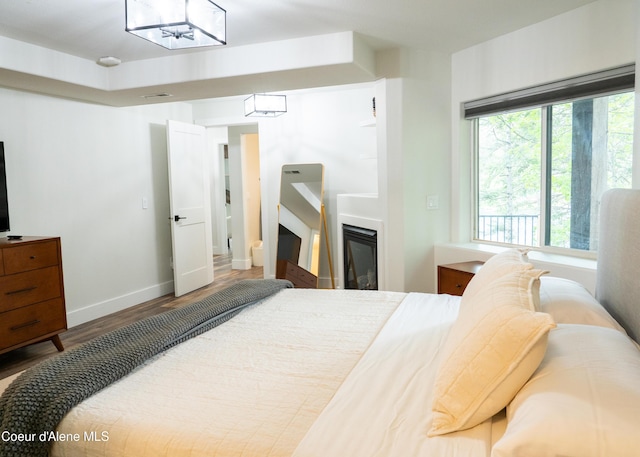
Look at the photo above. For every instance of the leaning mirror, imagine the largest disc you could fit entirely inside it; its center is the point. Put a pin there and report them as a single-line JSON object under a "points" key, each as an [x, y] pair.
{"points": [[300, 223]]}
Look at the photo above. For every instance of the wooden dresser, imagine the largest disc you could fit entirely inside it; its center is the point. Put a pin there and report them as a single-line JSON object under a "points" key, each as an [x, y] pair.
{"points": [[454, 277], [32, 306], [300, 277]]}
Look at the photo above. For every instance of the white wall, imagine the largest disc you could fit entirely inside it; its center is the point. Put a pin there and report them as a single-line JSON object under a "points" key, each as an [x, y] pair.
{"points": [[403, 157], [242, 199], [251, 188], [80, 171], [217, 138], [321, 126], [597, 36], [414, 149]]}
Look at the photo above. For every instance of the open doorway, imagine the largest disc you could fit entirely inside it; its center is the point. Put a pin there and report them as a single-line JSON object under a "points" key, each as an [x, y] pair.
{"points": [[227, 197], [236, 193], [252, 198]]}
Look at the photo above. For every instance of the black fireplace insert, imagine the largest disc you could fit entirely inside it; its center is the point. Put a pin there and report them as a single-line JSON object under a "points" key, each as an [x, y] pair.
{"points": [[360, 257]]}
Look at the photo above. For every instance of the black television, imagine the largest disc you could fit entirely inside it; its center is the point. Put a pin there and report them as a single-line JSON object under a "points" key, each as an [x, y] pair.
{"points": [[4, 199]]}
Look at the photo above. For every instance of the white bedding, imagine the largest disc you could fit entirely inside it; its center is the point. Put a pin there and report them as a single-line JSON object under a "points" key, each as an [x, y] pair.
{"points": [[306, 373], [250, 387], [384, 406]]}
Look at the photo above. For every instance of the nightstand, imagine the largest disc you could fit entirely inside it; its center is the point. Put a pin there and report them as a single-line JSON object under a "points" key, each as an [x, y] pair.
{"points": [[454, 277]]}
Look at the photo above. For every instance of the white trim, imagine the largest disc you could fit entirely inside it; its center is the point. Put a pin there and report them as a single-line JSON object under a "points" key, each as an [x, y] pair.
{"points": [[104, 308], [241, 264]]}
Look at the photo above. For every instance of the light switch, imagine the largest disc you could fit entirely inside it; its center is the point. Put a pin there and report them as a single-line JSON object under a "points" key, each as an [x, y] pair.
{"points": [[432, 202], [145, 203]]}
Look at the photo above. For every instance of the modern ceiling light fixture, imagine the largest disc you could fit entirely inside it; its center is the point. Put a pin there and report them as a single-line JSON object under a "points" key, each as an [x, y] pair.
{"points": [[177, 24], [265, 105], [108, 61]]}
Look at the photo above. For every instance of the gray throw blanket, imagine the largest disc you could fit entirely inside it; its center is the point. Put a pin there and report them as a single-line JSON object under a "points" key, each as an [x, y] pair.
{"points": [[34, 404]]}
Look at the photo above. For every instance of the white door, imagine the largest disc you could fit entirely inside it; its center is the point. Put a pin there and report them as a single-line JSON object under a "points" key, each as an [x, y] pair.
{"points": [[189, 202]]}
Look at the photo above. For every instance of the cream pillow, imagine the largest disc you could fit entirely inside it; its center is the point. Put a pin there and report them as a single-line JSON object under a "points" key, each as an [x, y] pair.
{"points": [[583, 400], [569, 302], [496, 267], [494, 346]]}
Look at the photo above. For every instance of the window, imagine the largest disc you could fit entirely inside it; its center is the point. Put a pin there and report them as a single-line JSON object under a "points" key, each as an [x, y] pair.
{"points": [[540, 171], [509, 167]]}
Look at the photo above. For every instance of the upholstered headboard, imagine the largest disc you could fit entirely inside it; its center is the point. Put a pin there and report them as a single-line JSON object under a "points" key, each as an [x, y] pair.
{"points": [[618, 276]]}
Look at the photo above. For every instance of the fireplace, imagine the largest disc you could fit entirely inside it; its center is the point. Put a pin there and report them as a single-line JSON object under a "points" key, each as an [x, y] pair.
{"points": [[360, 257]]}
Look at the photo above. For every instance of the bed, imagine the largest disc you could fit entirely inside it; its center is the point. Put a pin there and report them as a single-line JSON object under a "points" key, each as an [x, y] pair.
{"points": [[523, 364]]}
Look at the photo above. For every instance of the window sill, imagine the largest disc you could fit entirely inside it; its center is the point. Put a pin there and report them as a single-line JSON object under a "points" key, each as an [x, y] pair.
{"points": [[582, 270]]}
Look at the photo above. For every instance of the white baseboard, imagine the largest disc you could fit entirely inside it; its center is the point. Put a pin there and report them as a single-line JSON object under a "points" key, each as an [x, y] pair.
{"points": [[97, 310], [241, 264], [324, 282]]}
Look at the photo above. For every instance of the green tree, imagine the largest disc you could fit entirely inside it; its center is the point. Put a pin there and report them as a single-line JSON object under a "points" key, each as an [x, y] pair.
{"points": [[509, 165], [511, 149]]}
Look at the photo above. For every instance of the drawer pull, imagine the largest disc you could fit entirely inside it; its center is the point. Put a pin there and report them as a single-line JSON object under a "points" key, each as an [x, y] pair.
{"points": [[33, 257], [26, 324], [20, 291]]}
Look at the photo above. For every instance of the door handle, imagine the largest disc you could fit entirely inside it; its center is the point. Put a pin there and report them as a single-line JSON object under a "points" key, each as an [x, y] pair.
{"points": [[177, 218]]}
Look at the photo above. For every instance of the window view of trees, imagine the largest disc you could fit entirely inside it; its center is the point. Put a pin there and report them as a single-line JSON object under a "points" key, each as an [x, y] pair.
{"points": [[541, 172], [509, 167]]}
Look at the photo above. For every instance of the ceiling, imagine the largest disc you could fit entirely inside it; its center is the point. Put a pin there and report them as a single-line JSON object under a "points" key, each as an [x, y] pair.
{"points": [[90, 29]]}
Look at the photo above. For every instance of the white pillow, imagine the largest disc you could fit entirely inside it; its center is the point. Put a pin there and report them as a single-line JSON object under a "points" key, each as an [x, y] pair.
{"points": [[494, 346], [496, 267], [569, 302], [583, 400]]}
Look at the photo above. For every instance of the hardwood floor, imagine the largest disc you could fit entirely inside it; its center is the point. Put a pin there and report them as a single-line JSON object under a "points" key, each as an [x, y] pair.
{"points": [[20, 359]]}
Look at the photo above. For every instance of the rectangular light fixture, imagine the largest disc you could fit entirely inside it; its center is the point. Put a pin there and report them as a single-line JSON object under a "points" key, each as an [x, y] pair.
{"points": [[177, 24], [265, 105]]}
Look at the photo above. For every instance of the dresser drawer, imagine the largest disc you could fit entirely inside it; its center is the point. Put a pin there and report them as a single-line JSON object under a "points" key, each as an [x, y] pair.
{"points": [[30, 287], [307, 279], [32, 322], [297, 275], [30, 257], [292, 270]]}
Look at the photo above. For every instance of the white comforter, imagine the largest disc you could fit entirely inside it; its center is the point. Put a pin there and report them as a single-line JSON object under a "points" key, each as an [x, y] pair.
{"points": [[306, 373], [384, 406], [250, 387]]}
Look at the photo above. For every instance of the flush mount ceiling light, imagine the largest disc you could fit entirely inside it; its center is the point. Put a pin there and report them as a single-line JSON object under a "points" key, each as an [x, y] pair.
{"points": [[177, 24], [108, 61], [265, 105]]}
